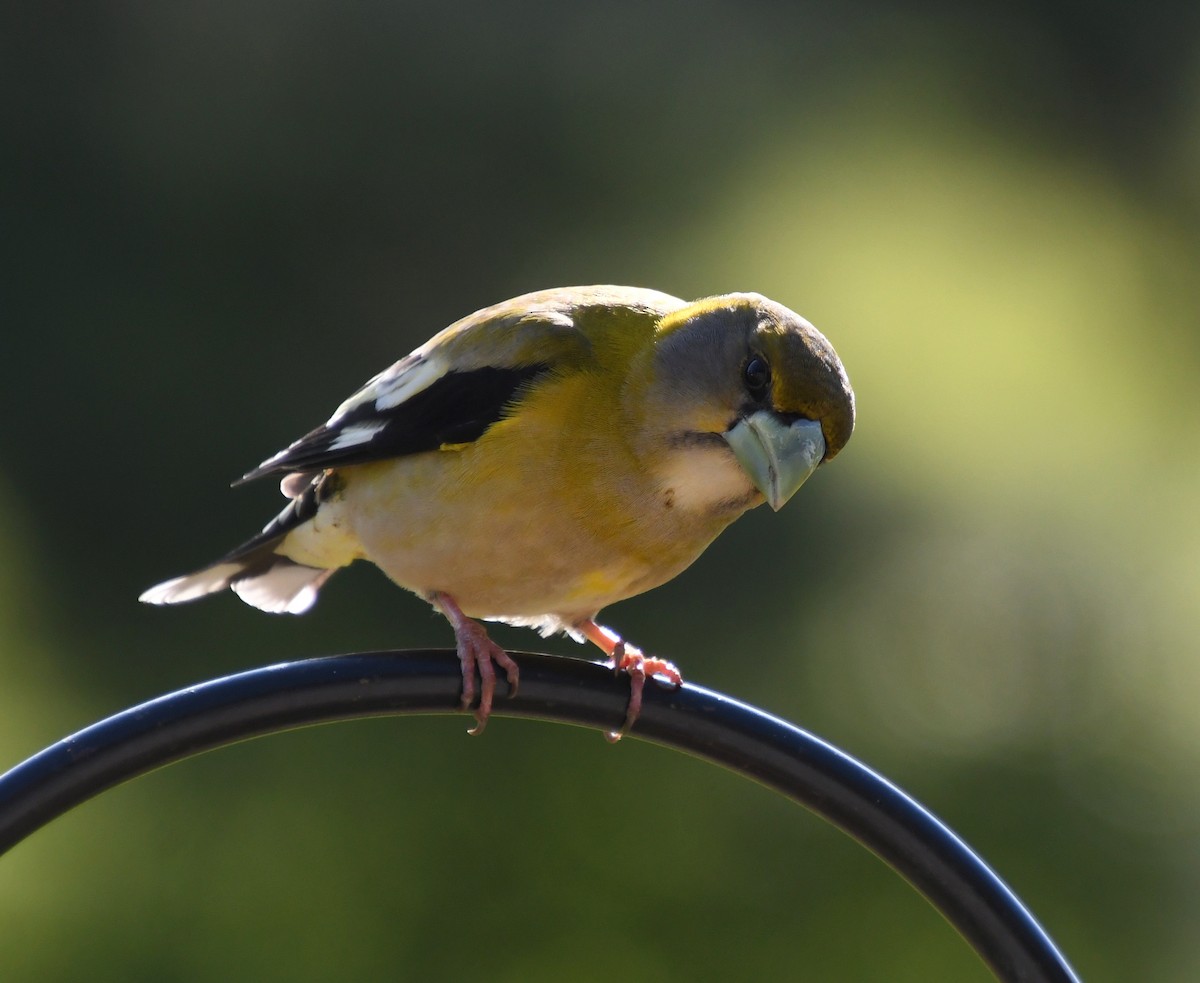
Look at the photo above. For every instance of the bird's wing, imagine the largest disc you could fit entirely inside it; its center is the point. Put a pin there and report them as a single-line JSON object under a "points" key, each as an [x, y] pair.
{"points": [[449, 391]]}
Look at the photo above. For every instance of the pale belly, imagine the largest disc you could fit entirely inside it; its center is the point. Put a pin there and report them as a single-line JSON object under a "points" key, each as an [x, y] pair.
{"points": [[508, 548]]}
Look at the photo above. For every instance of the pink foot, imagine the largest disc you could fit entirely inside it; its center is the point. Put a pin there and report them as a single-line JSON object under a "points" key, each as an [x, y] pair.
{"points": [[627, 658], [476, 650]]}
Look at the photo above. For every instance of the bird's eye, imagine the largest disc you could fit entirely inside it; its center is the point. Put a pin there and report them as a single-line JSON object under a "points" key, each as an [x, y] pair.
{"points": [[757, 376]]}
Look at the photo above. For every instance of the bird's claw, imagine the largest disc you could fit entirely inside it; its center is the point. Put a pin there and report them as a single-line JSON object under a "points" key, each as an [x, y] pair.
{"points": [[476, 650], [640, 667]]}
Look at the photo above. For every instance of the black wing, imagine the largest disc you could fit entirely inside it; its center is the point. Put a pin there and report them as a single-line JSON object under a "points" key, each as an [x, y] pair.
{"points": [[456, 408]]}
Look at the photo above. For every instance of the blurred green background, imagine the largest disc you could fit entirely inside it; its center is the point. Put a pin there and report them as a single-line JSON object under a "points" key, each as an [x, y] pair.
{"points": [[220, 218]]}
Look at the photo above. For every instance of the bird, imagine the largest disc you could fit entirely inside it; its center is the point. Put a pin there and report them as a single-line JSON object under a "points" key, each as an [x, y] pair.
{"points": [[543, 458]]}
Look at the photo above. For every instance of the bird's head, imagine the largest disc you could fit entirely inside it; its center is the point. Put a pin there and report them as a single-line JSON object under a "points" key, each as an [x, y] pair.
{"points": [[749, 398]]}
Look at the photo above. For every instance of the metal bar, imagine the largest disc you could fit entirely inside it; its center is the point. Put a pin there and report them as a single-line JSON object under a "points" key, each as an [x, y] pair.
{"points": [[701, 722]]}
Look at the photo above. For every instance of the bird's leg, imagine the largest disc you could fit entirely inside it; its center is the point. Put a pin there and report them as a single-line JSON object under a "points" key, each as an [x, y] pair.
{"points": [[475, 648], [632, 660]]}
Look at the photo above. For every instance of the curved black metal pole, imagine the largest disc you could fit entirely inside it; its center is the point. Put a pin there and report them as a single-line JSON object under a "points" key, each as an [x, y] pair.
{"points": [[691, 719]]}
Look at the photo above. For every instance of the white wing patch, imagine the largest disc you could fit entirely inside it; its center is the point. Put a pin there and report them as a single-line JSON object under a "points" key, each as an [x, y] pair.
{"points": [[393, 386], [356, 434], [405, 386]]}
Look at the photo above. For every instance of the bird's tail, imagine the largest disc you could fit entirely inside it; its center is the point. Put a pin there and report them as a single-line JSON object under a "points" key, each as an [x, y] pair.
{"points": [[266, 580], [258, 574]]}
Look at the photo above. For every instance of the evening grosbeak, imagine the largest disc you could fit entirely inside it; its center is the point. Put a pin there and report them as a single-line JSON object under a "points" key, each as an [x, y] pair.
{"points": [[547, 456]]}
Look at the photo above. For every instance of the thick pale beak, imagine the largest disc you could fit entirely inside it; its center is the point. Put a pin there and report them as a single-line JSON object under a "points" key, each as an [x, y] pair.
{"points": [[777, 457]]}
